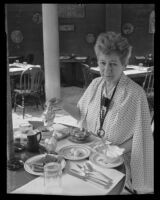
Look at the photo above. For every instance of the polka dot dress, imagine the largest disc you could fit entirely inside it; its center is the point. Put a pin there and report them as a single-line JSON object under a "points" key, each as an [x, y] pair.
{"points": [[128, 118]]}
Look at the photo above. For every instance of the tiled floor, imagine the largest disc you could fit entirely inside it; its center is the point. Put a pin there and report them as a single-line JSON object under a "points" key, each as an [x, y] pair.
{"points": [[70, 94]]}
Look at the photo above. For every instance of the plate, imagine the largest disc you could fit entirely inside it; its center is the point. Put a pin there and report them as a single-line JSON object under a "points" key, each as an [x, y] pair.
{"points": [[64, 57], [28, 168], [80, 58], [98, 160], [68, 152]]}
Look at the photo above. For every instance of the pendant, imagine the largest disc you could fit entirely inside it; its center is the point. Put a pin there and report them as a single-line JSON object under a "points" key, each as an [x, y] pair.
{"points": [[101, 133]]}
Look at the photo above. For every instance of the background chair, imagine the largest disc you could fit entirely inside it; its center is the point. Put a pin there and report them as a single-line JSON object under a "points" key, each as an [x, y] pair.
{"points": [[30, 85], [140, 59], [148, 86], [29, 58], [87, 75], [91, 61]]}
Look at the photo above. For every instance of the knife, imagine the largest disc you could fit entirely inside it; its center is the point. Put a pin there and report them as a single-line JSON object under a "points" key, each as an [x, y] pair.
{"points": [[73, 172]]}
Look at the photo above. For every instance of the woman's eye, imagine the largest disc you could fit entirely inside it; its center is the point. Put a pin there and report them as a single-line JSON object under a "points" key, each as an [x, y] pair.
{"points": [[102, 63]]}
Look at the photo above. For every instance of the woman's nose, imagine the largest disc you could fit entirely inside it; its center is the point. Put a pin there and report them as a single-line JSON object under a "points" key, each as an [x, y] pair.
{"points": [[107, 69]]}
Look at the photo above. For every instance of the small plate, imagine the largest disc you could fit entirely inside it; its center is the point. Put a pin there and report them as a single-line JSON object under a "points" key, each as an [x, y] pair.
{"points": [[28, 168], [80, 58], [65, 57], [99, 160], [67, 152], [74, 139]]}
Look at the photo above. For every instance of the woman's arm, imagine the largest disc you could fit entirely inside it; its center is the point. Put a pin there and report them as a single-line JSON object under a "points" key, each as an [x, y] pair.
{"points": [[127, 145], [72, 110]]}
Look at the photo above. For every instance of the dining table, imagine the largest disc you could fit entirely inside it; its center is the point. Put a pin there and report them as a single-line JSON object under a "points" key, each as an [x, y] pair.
{"points": [[18, 68], [22, 181], [14, 58], [133, 71]]}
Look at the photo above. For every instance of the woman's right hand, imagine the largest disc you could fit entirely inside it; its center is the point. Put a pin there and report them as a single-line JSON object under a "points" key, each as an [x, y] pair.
{"points": [[56, 103]]}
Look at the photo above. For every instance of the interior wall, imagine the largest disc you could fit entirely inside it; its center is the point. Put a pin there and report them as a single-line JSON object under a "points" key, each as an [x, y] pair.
{"points": [[75, 41], [20, 18], [141, 40]]}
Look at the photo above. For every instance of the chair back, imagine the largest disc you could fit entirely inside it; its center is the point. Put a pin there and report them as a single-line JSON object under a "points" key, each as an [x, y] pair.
{"points": [[29, 58], [140, 59], [31, 80], [86, 74], [148, 84]]}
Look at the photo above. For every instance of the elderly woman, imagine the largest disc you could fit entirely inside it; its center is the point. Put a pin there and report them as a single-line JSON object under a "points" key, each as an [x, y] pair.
{"points": [[117, 107]]}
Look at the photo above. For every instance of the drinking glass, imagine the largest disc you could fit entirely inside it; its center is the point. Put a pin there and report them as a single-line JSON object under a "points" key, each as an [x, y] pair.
{"points": [[52, 178]]}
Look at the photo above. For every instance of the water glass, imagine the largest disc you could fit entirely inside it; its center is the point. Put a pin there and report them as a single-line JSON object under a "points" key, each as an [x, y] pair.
{"points": [[52, 178]]}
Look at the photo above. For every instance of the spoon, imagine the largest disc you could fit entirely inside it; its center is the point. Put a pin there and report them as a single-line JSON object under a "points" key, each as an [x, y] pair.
{"points": [[89, 166], [85, 171]]}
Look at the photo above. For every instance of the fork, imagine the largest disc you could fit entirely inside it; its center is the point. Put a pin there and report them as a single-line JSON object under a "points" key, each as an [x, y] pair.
{"points": [[90, 169], [92, 179], [89, 173]]}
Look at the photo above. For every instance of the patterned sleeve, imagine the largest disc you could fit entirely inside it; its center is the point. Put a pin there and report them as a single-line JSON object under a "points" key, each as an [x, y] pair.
{"points": [[85, 99], [133, 121], [142, 149]]}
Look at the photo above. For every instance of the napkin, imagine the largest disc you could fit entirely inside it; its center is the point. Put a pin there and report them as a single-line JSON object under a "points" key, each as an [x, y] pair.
{"points": [[72, 185], [99, 176], [114, 151]]}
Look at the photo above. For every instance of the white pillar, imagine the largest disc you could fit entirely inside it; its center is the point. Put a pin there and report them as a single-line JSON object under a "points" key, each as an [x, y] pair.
{"points": [[10, 138], [51, 50]]}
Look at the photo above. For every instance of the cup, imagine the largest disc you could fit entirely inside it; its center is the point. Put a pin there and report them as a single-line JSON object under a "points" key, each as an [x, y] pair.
{"points": [[52, 178], [33, 139]]}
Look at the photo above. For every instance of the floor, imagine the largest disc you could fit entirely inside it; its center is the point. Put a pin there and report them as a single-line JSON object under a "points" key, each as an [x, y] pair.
{"points": [[70, 94]]}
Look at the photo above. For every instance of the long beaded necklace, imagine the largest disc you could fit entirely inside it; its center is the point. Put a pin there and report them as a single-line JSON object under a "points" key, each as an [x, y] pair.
{"points": [[104, 102]]}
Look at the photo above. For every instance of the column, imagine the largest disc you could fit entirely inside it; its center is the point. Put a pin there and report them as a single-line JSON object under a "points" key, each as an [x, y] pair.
{"points": [[51, 50], [10, 140], [113, 17]]}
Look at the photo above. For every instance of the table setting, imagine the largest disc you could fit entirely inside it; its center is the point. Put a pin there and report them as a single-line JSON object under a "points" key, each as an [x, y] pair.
{"points": [[68, 160], [81, 165]]}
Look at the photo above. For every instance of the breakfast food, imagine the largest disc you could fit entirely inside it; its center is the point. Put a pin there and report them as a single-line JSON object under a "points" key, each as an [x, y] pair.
{"points": [[38, 165], [80, 134], [77, 152]]}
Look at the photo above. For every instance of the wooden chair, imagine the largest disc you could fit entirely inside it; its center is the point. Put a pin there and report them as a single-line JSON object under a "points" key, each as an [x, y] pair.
{"points": [[30, 85], [29, 58], [148, 86], [140, 59], [87, 75]]}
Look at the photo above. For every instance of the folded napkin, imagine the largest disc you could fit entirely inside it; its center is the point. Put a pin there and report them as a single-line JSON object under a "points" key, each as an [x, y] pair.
{"points": [[109, 150]]}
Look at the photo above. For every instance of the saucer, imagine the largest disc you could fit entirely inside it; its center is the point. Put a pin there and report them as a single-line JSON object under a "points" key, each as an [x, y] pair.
{"points": [[74, 139]]}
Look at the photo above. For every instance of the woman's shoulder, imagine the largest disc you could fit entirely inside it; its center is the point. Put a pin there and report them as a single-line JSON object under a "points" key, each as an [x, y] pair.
{"points": [[96, 81], [134, 88]]}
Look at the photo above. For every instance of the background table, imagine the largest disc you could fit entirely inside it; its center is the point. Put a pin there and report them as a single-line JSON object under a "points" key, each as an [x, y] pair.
{"points": [[70, 72], [131, 71], [136, 73]]}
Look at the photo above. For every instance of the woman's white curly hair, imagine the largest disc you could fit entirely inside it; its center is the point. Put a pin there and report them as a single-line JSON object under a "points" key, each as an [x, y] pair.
{"points": [[111, 42]]}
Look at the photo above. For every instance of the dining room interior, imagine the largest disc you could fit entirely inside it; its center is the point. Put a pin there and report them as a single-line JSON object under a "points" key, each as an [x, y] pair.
{"points": [[57, 41]]}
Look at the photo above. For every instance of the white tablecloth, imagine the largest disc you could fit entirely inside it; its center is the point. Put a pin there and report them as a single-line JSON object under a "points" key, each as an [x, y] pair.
{"points": [[71, 185]]}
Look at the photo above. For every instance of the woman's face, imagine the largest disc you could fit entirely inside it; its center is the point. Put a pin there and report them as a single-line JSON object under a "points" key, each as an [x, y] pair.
{"points": [[111, 67]]}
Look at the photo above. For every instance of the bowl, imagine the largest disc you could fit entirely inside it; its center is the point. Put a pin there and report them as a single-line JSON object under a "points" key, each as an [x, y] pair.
{"points": [[80, 134]]}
